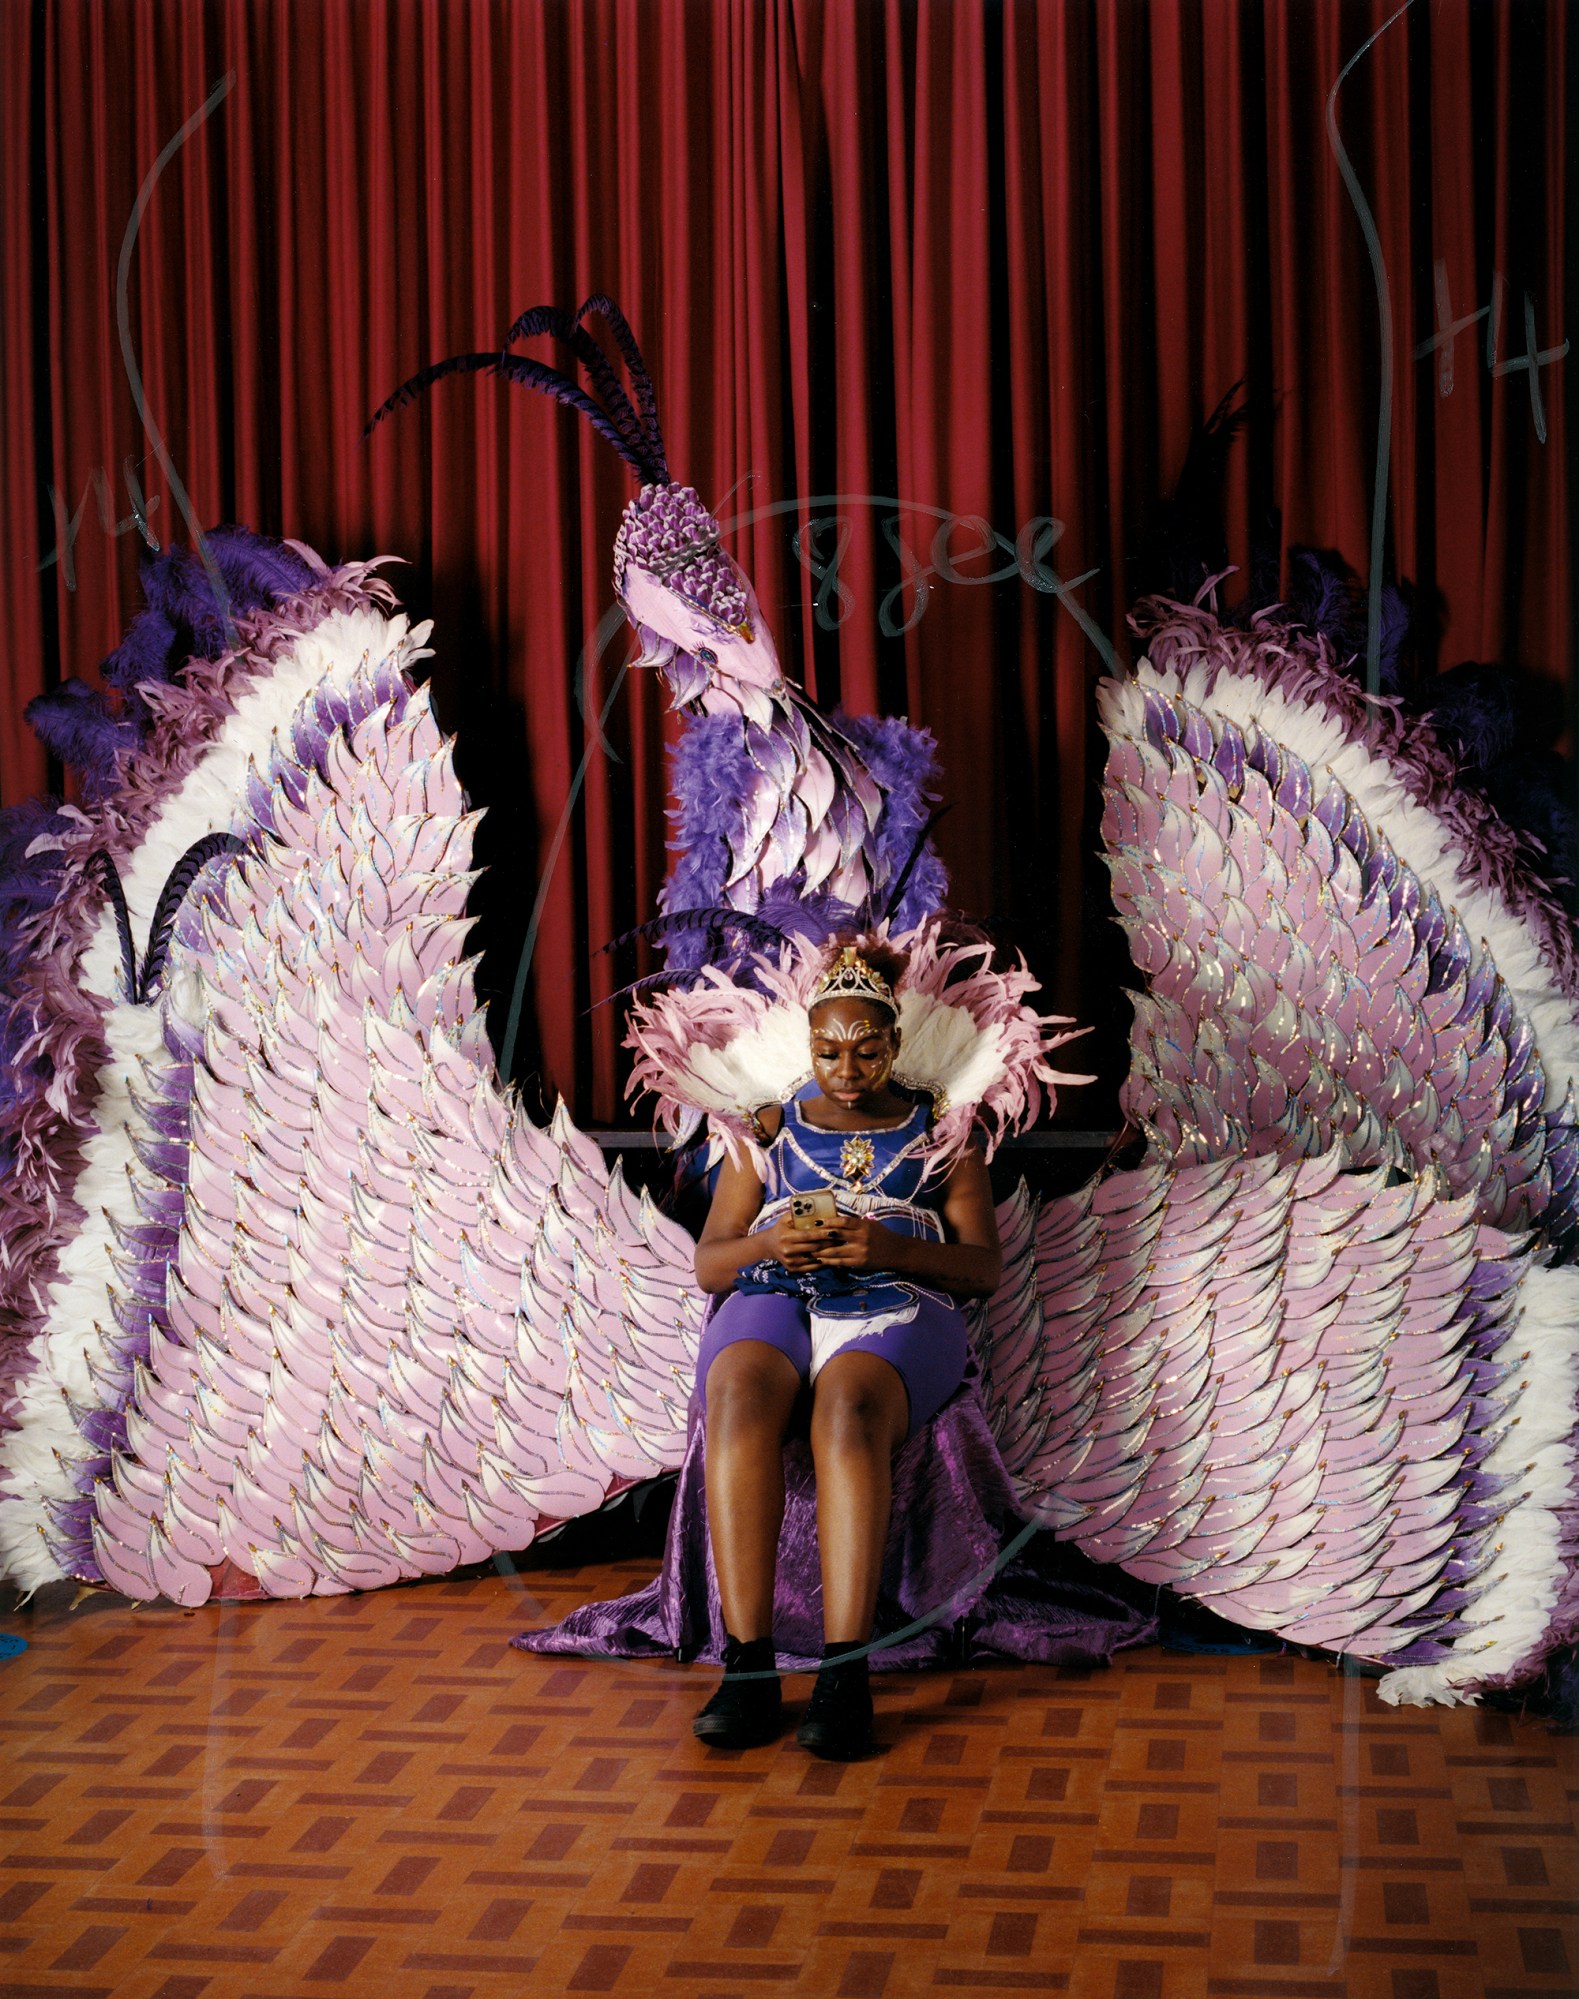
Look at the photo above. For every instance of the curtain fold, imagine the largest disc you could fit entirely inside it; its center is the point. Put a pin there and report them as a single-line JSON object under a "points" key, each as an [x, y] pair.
{"points": [[913, 276]]}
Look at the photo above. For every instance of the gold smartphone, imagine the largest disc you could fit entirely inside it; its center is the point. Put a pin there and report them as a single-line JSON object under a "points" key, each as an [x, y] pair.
{"points": [[813, 1211]]}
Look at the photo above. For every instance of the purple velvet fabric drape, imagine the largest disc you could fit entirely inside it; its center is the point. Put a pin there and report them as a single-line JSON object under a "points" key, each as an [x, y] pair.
{"points": [[953, 1512]]}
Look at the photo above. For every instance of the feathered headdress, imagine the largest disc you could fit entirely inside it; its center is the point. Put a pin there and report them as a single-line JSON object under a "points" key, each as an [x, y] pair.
{"points": [[968, 1040]]}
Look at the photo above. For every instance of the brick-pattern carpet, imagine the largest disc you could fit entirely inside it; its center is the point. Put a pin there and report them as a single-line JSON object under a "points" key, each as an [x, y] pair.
{"points": [[375, 1795]]}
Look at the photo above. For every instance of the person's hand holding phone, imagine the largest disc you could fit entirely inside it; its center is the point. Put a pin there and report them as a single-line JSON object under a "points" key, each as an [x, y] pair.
{"points": [[856, 1243], [792, 1243]]}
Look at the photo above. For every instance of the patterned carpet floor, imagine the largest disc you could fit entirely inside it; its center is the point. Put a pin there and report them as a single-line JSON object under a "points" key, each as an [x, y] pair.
{"points": [[375, 1795]]}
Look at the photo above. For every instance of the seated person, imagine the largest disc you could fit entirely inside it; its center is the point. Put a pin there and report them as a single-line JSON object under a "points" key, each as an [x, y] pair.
{"points": [[842, 1266]]}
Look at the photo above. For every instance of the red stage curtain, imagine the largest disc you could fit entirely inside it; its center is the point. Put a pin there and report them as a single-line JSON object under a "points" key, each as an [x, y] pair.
{"points": [[992, 257]]}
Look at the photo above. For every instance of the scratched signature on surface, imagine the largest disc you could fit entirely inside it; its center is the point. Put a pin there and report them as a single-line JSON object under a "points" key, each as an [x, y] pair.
{"points": [[98, 486], [1027, 554], [1533, 359]]}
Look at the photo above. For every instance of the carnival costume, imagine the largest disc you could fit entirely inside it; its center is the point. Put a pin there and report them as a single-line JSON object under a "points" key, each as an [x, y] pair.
{"points": [[297, 1298], [883, 1173], [918, 1330]]}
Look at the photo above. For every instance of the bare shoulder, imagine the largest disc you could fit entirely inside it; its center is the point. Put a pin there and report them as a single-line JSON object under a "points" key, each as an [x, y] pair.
{"points": [[967, 1200], [969, 1166], [737, 1198], [968, 1183], [770, 1120]]}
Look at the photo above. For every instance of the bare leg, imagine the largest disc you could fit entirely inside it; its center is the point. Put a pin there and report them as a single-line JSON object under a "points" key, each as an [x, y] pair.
{"points": [[860, 1413], [751, 1389]]}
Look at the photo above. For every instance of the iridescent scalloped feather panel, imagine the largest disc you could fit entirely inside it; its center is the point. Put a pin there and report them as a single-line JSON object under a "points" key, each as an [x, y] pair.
{"points": [[1334, 1408], [1305, 989], [403, 1326]]}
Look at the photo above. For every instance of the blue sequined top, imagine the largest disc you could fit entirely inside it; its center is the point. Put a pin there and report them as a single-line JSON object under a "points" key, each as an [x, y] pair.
{"points": [[877, 1173]]}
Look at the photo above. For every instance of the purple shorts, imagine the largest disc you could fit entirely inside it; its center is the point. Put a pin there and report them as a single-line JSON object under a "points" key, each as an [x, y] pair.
{"points": [[928, 1352]]}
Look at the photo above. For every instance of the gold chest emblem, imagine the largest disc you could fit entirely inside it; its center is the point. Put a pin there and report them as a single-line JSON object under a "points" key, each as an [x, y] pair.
{"points": [[855, 1160]]}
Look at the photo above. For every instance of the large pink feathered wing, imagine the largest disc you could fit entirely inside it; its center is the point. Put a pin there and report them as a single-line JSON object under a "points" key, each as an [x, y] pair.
{"points": [[389, 1324], [1307, 1363]]}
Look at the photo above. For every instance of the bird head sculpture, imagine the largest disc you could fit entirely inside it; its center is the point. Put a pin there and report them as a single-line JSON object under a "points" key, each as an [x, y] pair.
{"points": [[771, 793], [692, 605]]}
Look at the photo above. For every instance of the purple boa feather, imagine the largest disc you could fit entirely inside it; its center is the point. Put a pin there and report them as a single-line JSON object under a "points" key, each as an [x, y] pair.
{"points": [[1326, 595], [712, 770], [181, 619], [76, 725]]}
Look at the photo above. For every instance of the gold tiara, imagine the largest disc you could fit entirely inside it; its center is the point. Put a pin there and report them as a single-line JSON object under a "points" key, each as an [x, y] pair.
{"points": [[851, 977]]}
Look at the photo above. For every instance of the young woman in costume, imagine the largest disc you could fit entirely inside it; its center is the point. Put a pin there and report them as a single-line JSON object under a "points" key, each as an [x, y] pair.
{"points": [[858, 1308]]}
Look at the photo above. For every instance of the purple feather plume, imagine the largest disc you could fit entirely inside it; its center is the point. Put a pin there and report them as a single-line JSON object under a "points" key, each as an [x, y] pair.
{"points": [[76, 725], [710, 772], [713, 769], [181, 619]]}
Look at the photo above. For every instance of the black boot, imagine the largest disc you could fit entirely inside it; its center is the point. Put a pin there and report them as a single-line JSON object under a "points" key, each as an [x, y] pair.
{"points": [[838, 1719], [743, 1712]]}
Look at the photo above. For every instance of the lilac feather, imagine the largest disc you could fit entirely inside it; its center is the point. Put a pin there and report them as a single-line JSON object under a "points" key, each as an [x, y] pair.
{"points": [[903, 759]]}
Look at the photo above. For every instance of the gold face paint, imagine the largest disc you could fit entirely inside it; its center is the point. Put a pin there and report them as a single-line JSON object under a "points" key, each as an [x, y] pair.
{"points": [[856, 1030], [880, 1079], [852, 1050]]}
